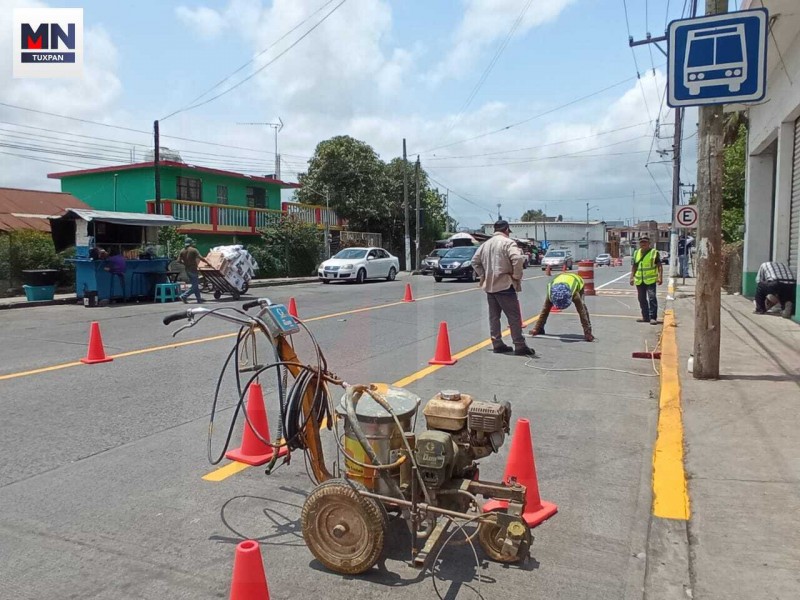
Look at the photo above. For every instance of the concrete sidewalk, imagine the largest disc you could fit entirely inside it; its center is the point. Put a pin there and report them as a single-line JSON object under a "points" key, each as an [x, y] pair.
{"points": [[742, 446], [70, 298]]}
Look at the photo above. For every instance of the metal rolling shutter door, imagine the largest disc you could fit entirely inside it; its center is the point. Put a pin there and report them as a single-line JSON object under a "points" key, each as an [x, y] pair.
{"points": [[794, 222]]}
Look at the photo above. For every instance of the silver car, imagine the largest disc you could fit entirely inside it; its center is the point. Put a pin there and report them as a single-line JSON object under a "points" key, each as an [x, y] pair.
{"points": [[429, 262], [603, 260]]}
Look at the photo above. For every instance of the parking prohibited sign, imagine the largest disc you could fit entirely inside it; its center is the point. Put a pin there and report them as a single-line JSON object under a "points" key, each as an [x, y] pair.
{"points": [[686, 216]]}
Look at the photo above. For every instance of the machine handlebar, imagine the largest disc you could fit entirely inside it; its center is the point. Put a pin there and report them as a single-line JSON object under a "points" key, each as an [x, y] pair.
{"points": [[250, 304], [176, 317]]}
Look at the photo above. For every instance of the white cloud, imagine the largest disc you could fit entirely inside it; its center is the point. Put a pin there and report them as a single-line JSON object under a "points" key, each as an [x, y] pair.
{"points": [[207, 22], [487, 21]]}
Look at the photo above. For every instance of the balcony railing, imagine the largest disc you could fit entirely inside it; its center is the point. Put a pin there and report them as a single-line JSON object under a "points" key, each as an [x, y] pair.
{"points": [[224, 218]]}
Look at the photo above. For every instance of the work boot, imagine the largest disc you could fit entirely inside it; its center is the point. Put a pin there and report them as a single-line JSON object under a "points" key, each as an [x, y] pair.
{"points": [[524, 351], [185, 301], [787, 310], [501, 349], [653, 321]]}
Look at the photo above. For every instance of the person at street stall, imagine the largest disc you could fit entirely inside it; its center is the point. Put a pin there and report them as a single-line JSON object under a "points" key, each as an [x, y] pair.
{"points": [[498, 263], [116, 265], [646, 274], [191, 258], [774, 278], [563, 290]]}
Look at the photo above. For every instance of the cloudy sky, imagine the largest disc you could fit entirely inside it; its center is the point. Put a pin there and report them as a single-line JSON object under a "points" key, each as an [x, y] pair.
{"points": [[522, 103]]}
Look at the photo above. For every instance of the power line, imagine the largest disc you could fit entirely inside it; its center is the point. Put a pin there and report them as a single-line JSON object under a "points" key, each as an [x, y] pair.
{"points": [[501, 48], [529, 119], [636, 62], [577, 139], [264, 51], [257, 71]]}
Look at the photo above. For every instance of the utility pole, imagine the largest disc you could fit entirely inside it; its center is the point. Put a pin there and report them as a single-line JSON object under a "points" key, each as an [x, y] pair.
{"points": [[418, 259], [447, 209], [156, 172], [710, 161], [405, 207], [676, 200]]}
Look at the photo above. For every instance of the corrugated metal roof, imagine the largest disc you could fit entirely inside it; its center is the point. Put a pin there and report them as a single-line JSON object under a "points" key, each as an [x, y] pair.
{"points": [[29, 209], [125, 218]]}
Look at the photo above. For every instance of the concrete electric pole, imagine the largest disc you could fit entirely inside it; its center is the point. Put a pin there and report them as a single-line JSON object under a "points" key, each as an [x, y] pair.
{"points": [[405, 208], [710, 162], [276, 127]]}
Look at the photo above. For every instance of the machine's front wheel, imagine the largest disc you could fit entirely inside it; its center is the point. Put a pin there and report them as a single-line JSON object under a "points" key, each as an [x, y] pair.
{"points": [[492, 537], [344, 530]]}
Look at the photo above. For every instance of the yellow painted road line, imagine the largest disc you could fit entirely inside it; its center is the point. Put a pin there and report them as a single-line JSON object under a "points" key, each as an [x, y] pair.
{"points": [[42, 370], [224, 336], [224, 472], [670, 493]]}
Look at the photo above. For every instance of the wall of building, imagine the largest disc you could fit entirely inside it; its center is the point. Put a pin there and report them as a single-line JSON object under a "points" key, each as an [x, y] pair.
{"points": [[770, 156], [134, 187]]}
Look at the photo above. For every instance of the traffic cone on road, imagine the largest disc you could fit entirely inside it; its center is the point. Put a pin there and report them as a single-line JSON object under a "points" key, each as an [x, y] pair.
{"points": [[249, 582], [253, 451], [409, 297], [521, 466], [293, 308], [548, 271], [96, 353], [442, 356]]}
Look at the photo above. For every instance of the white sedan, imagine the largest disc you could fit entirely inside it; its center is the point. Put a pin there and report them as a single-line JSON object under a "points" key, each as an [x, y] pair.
{"points": [[359, 264]]}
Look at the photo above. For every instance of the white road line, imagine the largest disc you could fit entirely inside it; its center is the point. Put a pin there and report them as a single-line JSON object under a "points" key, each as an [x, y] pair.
{"points": [[600, 287]]}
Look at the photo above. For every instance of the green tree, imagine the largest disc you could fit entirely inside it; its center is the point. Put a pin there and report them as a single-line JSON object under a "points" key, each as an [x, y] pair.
{"points": [[533, 215], [350, 173], [733, 187], [172, 241], [289, 248]]}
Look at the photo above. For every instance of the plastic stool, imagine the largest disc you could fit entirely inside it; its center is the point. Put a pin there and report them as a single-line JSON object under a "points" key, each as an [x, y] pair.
{"points": [[165, 292]]}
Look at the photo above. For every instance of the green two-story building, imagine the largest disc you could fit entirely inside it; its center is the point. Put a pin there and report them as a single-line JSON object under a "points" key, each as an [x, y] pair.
{"points": [[222, 207]]}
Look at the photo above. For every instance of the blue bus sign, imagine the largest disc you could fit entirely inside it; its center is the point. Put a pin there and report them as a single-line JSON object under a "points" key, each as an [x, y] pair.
{"points": [[719, 59]]}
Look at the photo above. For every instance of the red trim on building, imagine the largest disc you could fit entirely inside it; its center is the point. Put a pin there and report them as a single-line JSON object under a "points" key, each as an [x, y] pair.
{"points": [[174, 165]]}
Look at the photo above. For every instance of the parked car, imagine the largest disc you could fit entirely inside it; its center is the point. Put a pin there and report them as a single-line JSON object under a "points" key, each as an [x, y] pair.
{"points": [[456, 264], [359, 264], [430, 261], [556, 259], [603, 260]]}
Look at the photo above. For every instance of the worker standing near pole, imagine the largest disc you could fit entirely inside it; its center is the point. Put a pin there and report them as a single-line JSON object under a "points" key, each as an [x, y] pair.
{"points": [[563, 290], [646, 274]]}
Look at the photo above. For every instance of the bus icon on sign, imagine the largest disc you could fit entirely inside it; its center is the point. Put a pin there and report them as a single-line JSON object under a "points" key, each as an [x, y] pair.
{"points": [[717, 59], [715, 56]]}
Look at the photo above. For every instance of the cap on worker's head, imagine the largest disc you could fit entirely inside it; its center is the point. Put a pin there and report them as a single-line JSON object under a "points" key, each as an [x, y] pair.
{"points": [[188, 242], [502, 225], [560, 296], [644, 238]]}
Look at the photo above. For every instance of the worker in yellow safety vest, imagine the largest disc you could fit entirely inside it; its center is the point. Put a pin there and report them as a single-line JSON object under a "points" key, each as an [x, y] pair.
{"points": [[563, 290], [646, 274]]}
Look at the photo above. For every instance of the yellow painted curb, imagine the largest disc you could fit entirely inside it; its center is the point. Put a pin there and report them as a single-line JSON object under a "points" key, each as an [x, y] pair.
{"points": [[670, 493]]}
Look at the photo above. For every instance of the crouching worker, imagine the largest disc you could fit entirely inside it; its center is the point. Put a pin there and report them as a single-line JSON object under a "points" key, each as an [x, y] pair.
{"points": [[562, 291]]}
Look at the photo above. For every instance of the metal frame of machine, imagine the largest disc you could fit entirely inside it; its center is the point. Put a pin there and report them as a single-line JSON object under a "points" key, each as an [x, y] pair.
{"points": [[430, 478]]}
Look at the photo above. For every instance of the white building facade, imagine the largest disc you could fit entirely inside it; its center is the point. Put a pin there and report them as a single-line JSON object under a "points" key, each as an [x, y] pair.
{"points": [[772, 196], [584, 240]]}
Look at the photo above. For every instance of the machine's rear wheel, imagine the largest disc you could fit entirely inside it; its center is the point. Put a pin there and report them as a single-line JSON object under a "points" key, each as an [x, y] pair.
{"points": [[344, 530], [492, 537]]}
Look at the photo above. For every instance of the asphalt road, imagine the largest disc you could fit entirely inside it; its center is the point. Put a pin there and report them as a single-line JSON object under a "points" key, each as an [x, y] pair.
{"points": [[101, 466]]}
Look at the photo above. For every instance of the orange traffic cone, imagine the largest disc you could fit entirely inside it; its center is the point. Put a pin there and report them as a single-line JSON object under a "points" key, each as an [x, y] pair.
{"points": [[548, 271], [293, 308], [249, 581], [521, 466], [442, 356], [409, 297], [96, 354], [253, 451]]}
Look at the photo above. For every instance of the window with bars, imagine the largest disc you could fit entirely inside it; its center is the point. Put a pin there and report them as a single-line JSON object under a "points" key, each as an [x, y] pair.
{"points": [[256, 197], [189, 188], [222, 194]]}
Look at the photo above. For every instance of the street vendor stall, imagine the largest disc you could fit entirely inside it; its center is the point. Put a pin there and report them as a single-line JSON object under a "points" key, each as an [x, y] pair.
{"points": [[116, 253]]}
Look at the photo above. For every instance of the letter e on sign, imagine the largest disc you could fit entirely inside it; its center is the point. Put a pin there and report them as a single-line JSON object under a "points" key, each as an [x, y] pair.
{"points": [[686, 216]]}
